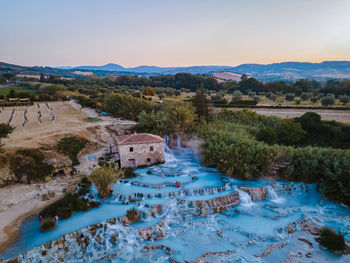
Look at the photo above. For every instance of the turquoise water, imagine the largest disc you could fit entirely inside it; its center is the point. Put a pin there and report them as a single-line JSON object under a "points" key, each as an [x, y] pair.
{"points": [[244, 231]]}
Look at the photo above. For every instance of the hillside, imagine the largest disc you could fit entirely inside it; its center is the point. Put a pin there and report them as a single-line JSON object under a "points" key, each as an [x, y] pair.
{"points": [[276, 71]]}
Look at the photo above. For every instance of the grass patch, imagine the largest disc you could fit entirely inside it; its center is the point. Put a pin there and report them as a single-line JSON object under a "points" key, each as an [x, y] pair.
{"points": [[6, 90], [71, 146]]}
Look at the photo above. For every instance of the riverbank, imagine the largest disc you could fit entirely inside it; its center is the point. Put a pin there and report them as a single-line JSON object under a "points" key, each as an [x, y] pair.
{"points": [[21, 201]]}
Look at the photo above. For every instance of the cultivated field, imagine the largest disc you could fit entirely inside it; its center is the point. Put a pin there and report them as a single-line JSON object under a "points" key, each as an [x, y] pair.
{"points": [[329, 115]]}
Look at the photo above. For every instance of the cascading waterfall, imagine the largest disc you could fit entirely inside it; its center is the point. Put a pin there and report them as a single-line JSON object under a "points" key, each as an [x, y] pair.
{"points": [[245, 198], [194, 221], [272, 195], [178, 138]]}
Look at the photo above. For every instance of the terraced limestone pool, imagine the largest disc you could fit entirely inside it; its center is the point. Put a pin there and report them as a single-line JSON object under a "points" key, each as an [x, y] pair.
{"points": [[209, 218]]}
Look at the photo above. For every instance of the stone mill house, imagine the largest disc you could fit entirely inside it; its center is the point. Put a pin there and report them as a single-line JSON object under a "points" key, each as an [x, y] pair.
{"points": [[140, 149]]}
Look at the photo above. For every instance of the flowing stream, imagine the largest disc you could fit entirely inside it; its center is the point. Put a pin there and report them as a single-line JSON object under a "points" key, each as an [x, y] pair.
{"points": [[191, 213]]}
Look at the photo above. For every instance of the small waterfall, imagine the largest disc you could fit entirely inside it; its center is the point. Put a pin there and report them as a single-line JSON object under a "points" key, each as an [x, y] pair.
{"points": [[245, 198], [273, 195], [168, 154], [178, 138]]}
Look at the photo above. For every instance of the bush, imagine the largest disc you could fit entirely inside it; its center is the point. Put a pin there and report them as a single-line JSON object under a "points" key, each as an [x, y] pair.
{"points": [[65, 207], [344, 99], [129, 172], [267, 135], [290, 97], [29, 165], [71, 146], [290, 132], [328, 100], [47, 224], [103, 178], [331, 240], [314, 99]]}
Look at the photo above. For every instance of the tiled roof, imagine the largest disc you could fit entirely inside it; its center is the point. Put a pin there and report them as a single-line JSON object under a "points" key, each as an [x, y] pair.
{"points": [[138, 138]]}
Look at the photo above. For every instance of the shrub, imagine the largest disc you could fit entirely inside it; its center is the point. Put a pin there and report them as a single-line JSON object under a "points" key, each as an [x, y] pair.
{"points": [[129, 172], [290, 96], [71, 146], [331, 240], [103, 178], [29, 165], [289, 132], [47, 224], [267, 135], [314, 99], [328, 100], [344, 99], [65, 207]]}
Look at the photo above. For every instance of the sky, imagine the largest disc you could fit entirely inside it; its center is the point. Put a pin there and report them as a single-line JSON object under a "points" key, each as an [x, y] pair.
{"points": [[173, 32]]}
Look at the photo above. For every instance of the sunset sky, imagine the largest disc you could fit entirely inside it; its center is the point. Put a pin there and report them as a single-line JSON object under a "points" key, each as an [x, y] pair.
{"points": [[173, 33]]}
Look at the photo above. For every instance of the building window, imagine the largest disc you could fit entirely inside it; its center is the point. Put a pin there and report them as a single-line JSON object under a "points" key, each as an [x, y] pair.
{"points": [[131, 149], [148, 160], [151, 148]]}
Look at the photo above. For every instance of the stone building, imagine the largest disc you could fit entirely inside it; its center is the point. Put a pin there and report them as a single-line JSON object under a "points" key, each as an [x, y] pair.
{"points": [[140, 149]]}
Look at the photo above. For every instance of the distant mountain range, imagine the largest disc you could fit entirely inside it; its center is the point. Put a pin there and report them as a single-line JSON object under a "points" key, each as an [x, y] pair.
{"points": [[276, 71]]}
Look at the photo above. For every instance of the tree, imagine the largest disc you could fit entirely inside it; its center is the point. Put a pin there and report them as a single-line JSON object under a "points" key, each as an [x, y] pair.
{"points": [[42, 77], [12, 93], [267, 135], [328, 100], [344, 99], [314, 99], [290, 132], [5, 130], [148, 91], [104, 177], [237, 95], [290, 97], [310, 122], [201, 103]]}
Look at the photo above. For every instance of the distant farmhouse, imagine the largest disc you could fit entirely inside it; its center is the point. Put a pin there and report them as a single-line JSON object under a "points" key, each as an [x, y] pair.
{"points": [[140, 149]]}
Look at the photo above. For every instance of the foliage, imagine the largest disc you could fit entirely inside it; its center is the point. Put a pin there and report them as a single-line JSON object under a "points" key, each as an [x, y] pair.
{"points": [[172, 118], [344, 99], [129, 172], [126, 105], [104, 177], [231, 147], [267, 135], [71, 146], [201, 104], [29, 165], [5, 130], [328, 100], [289, 132], [148, 91], [290, 97], [331, 240], [47, 224], [65, 207]]}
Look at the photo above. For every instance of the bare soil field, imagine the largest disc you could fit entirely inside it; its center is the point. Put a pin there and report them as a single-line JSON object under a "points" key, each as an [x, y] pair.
{"points": [[329, 115]]}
